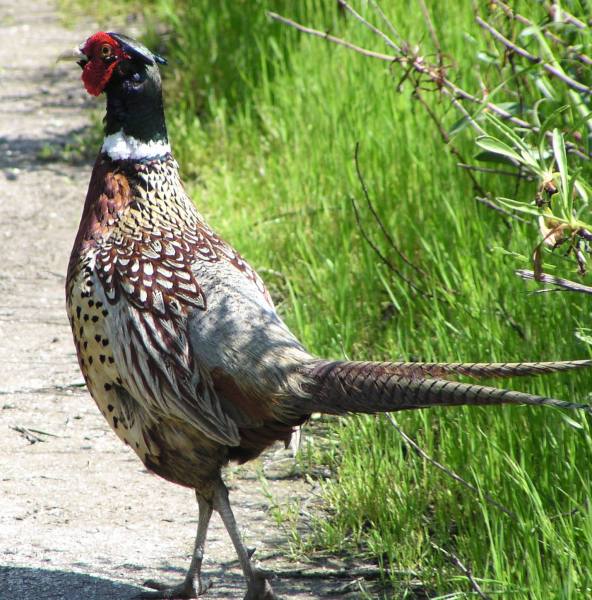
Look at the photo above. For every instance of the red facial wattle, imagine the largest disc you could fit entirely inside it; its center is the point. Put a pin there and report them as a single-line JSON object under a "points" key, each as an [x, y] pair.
{"points": [[97, 72], [95, 76]]}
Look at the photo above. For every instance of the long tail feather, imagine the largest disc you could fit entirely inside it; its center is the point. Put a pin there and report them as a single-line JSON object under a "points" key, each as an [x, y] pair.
{"points": [[364, 387], [419, 370]]}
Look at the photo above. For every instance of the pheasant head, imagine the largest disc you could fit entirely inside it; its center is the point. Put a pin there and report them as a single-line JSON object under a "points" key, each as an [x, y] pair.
{"points": [[127, 72]]}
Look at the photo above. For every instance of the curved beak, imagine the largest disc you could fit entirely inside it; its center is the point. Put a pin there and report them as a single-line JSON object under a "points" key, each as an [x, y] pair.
{"points": [[75, 55]]}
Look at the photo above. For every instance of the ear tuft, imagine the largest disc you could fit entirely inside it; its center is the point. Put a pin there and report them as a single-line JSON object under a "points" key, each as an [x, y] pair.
{"points": [[136, 50]]}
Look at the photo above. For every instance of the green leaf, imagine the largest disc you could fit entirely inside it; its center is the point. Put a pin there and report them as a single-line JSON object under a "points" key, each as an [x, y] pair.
{"points": [[516, 255], [545, 88], [458, 126], [494, 158], [511, 107], [486, 58], [569, 421], [566, 187], [491, 144], [529, 160], [560, 157], [528, 31], [585, 335], [522, 207]]}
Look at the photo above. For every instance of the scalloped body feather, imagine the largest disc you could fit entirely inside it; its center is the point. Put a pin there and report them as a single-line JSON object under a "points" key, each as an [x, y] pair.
{"points": [[164, 313]]}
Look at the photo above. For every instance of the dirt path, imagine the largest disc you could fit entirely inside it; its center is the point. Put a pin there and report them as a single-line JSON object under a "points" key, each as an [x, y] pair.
{"points": [[79, 516]]}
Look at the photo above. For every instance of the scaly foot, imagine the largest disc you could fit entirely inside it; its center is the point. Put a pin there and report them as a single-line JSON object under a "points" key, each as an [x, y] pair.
{"points": [[187, 590], [261, 588]]}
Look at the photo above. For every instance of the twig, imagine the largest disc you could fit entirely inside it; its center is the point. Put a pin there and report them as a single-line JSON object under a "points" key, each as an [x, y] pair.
{"points": [[569, 81], [559, 14], [503, 211], [376, 216], [378, 252], [446, 139], [448, 471], [331, 38], [464, 570], [494, 171], [552, 66], [369, 572], [28, 434], [369, 240], [467, 115], [40, 432], [432, 30], [454, 150], [387, 40], [498, 110], [434, 73], [564, 284], [548, 34], [574, 511], [385, 20]]}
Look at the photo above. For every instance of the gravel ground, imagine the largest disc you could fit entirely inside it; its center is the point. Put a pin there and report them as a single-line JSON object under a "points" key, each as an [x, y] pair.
{"points": [[80, 518]]}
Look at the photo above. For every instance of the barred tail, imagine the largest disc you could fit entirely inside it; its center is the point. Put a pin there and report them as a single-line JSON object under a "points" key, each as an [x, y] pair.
{"points": [[419, 370], [365, 387]]}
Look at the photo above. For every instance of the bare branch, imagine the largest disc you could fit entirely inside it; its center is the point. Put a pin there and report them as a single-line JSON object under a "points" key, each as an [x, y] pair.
{"points": [[335, 40], [418, 64], [385, 20], [454, 150], [560, 14], [380, 255], [431, 28], [548, 34], [467, 115], [569, 81], [369, 25], [494, 171], [376, 216], [562, 284], [487, 202], [464, 570], [32, 435], [434, 73], [410, 442]]}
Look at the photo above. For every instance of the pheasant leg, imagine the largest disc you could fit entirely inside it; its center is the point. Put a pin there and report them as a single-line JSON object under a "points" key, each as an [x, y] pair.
{"points": [[258, 587], [193, 586]]}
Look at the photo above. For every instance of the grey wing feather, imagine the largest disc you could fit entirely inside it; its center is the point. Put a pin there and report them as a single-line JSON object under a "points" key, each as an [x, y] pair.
{"points": [[166, 381]]}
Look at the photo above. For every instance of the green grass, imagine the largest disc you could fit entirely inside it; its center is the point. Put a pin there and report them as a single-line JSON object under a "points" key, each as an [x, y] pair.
{"points": [[264, 123]]}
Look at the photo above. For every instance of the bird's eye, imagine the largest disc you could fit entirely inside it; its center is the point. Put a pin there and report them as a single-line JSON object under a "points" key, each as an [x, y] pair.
{"points": [[106, 50]]}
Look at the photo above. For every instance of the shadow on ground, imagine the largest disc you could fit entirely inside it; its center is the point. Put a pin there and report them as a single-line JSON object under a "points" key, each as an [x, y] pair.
{"points": [[48, 103], [34, 153], [20, 583]]}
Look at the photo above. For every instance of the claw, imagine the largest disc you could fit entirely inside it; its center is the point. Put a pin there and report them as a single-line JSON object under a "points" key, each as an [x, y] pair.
{"points": [[261, 588], [184, 591], [155, 585]]}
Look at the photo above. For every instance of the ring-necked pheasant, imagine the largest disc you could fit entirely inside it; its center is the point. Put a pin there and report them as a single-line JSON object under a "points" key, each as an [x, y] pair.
{"points": [[178, 339]]}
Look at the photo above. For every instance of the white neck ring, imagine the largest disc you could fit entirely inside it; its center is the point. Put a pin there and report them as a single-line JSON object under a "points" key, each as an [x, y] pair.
{"points": [[124, 147]]}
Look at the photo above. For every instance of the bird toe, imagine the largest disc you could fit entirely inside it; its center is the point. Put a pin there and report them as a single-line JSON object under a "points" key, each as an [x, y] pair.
{"points": [[261, 588], [185, 591]]}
